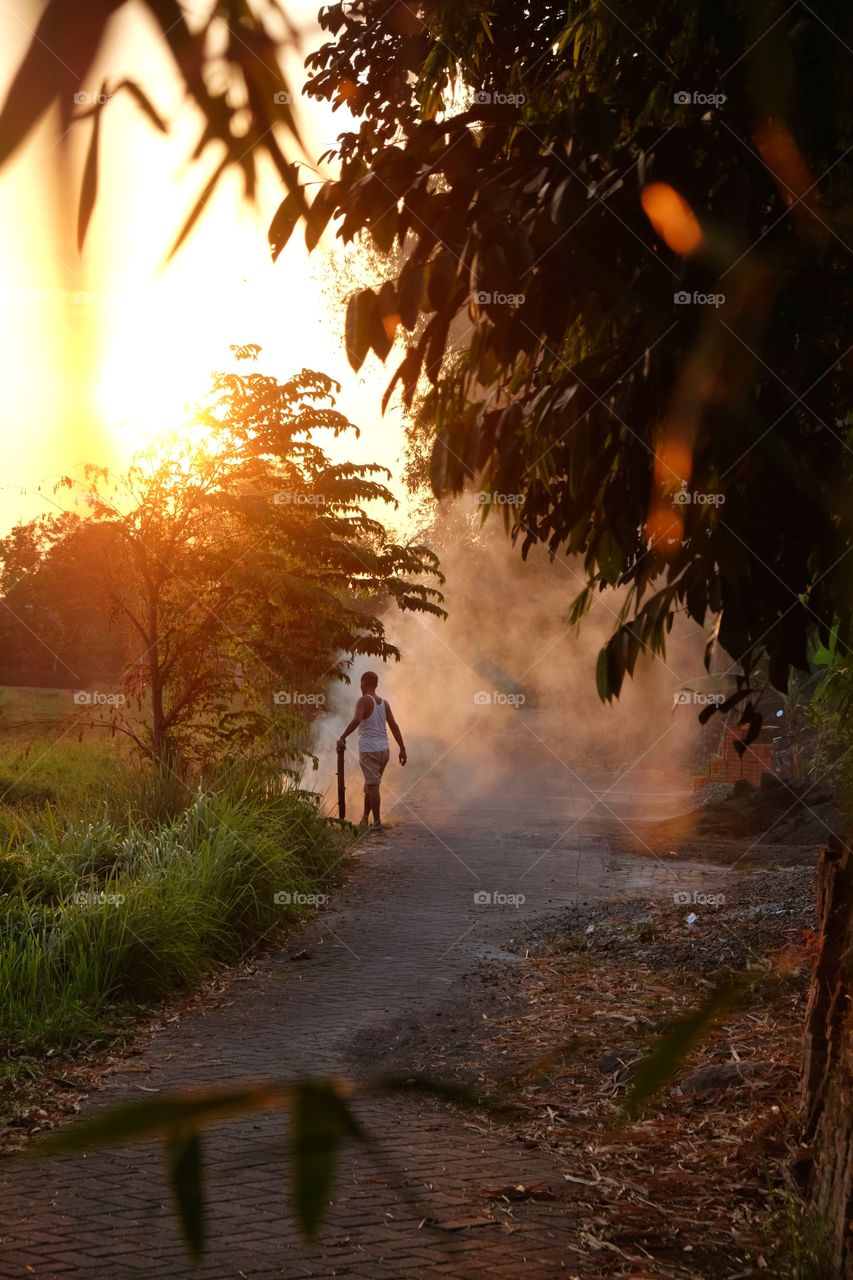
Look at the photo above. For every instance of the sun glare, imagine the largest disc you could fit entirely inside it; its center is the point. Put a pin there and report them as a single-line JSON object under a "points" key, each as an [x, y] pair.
{"points": [[113, 348]]}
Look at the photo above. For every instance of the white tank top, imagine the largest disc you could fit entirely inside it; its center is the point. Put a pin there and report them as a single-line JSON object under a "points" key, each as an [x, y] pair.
{"points": [[371, 732]]}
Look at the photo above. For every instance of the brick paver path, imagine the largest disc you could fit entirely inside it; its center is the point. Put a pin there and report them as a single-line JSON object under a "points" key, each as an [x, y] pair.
{"points": [[404, 930]]}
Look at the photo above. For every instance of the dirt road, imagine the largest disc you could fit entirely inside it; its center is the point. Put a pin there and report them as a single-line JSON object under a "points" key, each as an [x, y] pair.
{"points": [[422, 908]]}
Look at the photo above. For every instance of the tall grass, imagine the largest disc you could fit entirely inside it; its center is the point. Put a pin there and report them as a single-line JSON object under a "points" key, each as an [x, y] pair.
{"points": [[111, 913], [47, 767]]}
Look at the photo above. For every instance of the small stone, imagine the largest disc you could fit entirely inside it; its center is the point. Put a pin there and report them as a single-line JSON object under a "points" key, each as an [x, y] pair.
{"points": [[721, 1075]]}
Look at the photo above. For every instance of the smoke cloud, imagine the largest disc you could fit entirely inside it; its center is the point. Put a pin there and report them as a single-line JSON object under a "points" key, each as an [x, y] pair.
{"points": [[504, 685]]}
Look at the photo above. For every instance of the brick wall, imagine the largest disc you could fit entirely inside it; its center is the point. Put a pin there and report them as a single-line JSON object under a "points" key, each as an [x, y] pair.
{"points": [[727, 766]]}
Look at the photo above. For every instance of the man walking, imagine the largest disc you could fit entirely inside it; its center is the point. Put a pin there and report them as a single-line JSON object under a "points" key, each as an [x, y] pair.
{"points": [[372, 718]]}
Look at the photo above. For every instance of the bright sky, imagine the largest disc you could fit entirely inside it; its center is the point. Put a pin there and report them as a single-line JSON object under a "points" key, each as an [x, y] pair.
{"points": [[101, 353]]}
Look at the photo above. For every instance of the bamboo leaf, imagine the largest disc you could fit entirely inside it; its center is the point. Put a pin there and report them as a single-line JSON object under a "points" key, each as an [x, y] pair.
{"points": [[198, 209], [322, 1121], [319, 215], [675, 1044], [89, 188], [186, 1176], [156, 1116], [144, 103], [602, 679], [410, 294], [283, 224], [67, 36], [359, 326]]}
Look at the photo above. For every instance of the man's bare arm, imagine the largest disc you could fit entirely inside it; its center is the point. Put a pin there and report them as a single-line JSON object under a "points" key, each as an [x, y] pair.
{"points": [[395, 729], [363, 708]]}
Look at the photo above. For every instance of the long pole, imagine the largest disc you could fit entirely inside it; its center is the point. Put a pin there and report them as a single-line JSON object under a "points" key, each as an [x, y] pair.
{"points": [[342, 790]]}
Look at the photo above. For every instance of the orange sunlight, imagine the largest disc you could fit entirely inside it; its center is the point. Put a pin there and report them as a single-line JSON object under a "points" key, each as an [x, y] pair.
{"points": [[108, 349]]}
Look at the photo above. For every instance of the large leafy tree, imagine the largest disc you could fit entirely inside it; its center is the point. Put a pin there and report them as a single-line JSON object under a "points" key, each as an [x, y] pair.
{"points": [[553, 196], [627, 235], [246, 570], [54, 622]]}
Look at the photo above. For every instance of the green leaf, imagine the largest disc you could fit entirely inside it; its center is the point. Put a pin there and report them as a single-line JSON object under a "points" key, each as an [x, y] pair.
{"points": [[440, 276], [283, 224], [407, 373], [156, 1116], [715, 708], [635, 644], [676, 1043], [602, 678], [67, 36], [186, 1176], [321, 1122], [707, 712], [410, 295], [359, 326], [562, 202], [384, 321], [383, 229], [198, 208], [144, 103], [609, 555], [317, 218], [825, 656], [617, 657], [89, 189]]}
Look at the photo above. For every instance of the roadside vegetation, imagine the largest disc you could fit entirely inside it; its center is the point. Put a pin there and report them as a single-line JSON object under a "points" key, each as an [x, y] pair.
{"points": [[120, 911], [45, 762], [125, 892], [114, 898], [152, 827]]}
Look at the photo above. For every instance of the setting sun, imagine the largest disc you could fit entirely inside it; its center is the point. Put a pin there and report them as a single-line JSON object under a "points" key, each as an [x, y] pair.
{"points": [[139, 337]]}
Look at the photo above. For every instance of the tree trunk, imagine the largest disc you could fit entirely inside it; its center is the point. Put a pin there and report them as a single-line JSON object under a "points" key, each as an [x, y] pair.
{"points": [[828, 1065], [159, 740]]}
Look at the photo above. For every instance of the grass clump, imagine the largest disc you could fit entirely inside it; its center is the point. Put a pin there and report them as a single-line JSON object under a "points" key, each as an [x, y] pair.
{"points": [[101, 915]]}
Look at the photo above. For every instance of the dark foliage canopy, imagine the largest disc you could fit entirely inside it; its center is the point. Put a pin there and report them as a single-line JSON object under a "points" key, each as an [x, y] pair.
{"points": [[558, 183]]}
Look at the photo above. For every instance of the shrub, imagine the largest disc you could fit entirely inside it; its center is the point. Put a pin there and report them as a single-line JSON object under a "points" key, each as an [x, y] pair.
{"points": [[102, 914]]}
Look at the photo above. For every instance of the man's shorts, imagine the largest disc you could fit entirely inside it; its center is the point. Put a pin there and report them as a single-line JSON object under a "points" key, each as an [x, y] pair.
{"points": [[373, 766]]}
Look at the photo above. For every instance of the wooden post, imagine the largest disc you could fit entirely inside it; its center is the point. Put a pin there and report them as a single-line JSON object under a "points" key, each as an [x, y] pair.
{"points": [[828, 1075], [342, 789]]}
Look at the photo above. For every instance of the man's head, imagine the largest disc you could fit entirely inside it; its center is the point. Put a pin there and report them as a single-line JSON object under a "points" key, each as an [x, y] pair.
{"points": [[369, 681]]}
